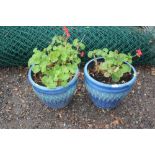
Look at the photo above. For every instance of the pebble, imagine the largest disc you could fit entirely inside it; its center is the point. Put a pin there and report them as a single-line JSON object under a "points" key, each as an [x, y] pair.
{"points": [[153, 71]]}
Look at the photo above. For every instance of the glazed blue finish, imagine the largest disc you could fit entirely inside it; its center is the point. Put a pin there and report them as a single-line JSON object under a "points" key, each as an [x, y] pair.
{"points": [[55, 98], [107, 96]]}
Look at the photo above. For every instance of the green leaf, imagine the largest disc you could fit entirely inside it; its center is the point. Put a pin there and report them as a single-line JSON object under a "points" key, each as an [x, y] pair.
{"points": [[110, 62], [104, 54], [110, 70], [82, 46], [77, 61], [65, 77], [68, 47], [36, 68], [90, 54], [44, 50], [65, 69], [103, 66], [56, 77], [43, 67], [53, 56], [45, 80], [105, 50], [54, 40], [123, 57], [52, 84], [129, 61], [125, 68], [64, 57], [129, 58], [118, 62], [48, 82], [55, 48], [35, 59], [111, 54], [72, 68], [64, 83], [75, 42], [115, 77], [99, 52], [106, 74], [116, 69], [35, 50], [30, 62], [45, 58], [49, 48]]}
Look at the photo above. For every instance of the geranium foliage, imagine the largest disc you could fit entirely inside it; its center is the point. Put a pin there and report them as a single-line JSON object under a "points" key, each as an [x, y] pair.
{"points": [[114, 65], [57, 63]]}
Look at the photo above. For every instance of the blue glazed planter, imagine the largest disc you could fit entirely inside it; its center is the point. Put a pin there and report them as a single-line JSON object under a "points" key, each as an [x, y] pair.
{"points": [[55, 98], [105, 95]]}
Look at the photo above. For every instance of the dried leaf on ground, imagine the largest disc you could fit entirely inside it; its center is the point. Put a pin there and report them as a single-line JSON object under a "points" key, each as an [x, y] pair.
{"points": [[117, 121], [153, 71]]}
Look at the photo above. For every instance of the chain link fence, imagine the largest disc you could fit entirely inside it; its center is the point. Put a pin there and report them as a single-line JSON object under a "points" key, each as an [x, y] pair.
{"points": [[18, 42]]}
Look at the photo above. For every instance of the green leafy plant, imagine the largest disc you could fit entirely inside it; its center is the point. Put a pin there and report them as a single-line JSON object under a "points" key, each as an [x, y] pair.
{"points": [[114, 65], [57, 64]]}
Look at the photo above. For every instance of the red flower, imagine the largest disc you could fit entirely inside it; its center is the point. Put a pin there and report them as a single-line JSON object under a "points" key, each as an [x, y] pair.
{"points": [[82, 54], [139, 52], [66, 31]]}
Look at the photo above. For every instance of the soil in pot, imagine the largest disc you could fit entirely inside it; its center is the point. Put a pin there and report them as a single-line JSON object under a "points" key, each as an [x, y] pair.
{"points": [[37, 79], [100, 77]]}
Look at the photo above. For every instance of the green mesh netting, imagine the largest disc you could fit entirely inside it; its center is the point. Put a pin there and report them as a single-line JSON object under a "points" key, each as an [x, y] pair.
{"points": [[18, 42]]}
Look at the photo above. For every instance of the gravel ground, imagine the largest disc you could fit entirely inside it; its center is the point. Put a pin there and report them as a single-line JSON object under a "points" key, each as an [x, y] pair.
{"points": [[20, 108]]}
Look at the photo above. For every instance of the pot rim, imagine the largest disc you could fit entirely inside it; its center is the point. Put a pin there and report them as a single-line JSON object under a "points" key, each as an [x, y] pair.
{"points": [[53, 89], [109, 85]]}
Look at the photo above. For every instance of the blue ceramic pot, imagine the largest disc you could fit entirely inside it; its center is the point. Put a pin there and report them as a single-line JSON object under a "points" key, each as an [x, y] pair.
{"points": [[55, 98], [103, 95]]}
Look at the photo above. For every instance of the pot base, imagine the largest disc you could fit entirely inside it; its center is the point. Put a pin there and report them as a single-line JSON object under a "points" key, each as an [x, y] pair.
{"points": [[57, 101], [105, 100]]}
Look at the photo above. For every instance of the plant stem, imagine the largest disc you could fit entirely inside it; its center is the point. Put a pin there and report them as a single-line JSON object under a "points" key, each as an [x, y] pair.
{"points": [[83, 38], [50, 65], [77, 47], [81, 42], [135, 57], [96, 64]]}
